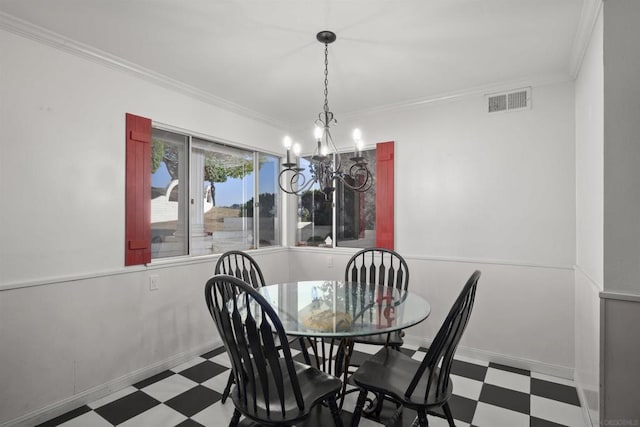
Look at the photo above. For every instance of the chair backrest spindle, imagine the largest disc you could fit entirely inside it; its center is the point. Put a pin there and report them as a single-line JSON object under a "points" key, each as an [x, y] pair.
{"points": [[241, 265], [378, 266]]}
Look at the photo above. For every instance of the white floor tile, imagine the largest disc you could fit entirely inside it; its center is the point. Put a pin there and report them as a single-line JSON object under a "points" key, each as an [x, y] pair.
{"points": [[215, 415], [170, 387], [294, 352], [350, 401], [493, 416], [218, 383], [365, 422], [418, 355], [466, 387], [112, 397], [222, 359], [508, 380], [159, 415], [90, 419], [410, 346], [557, 412], [367, 348]]}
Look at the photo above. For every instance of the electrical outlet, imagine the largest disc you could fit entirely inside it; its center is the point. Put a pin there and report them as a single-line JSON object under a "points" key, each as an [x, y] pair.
{"points": [[153, 283]]}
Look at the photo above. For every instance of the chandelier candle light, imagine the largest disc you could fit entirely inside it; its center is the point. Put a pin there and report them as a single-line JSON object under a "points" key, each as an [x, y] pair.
{"points": [[325, 167]]}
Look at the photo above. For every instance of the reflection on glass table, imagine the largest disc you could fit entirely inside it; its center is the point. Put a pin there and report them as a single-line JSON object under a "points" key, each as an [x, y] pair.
{"points": [[334, 312], [338, 309]]}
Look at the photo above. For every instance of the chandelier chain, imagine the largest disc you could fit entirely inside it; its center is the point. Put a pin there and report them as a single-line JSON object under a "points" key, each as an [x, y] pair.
{"points": [[326, 77]]}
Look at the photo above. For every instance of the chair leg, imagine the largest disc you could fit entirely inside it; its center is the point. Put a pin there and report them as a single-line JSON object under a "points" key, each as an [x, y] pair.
{"points": [[422, 418], [235, 420], [379, 403], [333, 406], [227, 388], [305, 352], [449, 415], [357, 412]]}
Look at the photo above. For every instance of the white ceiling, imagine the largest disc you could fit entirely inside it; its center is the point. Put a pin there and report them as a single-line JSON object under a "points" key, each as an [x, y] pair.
{"points": [[263, 55]]}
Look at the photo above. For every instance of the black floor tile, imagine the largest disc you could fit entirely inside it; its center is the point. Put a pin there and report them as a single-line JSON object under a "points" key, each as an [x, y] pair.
{"points": [[320, 416], [538, 422], [408, 417], [66, 417], [190, 423], [203, 371], [154, 379], [194, 400], [127, 407], [213, 353], [468, 370], [509, 369], [407, 351], [462, 408], [506, 398], [358, 358], [555, 391]]}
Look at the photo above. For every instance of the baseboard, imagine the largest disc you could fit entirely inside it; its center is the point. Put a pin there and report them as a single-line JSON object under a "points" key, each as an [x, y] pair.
{"points": [[63, 406], [584, 406], [503, 359]]}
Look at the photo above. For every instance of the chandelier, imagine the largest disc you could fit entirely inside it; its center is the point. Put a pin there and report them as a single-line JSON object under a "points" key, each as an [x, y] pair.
{"points": [[325, 166]]}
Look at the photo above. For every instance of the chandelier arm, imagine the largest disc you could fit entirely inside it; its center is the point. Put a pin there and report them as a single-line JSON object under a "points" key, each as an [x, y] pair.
{"points": [[361, 171], [293, 182]]}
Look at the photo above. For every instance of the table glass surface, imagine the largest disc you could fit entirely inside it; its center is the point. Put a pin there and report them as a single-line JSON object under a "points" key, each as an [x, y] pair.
{"points": [[332, 308]]}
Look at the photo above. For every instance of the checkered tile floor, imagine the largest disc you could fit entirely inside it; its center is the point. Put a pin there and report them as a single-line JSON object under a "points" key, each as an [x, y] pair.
{"points": [[485, 395]]}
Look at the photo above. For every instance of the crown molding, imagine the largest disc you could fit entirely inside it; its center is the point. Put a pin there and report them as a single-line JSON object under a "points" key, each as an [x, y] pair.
{"points": [[588, 17], [534, 81], [33, 32]]}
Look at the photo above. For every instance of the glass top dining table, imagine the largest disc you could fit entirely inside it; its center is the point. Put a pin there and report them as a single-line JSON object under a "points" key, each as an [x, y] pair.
{"points": [[339, 309]]}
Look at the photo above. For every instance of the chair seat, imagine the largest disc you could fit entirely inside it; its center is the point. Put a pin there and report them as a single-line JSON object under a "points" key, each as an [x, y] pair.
{"points": [[390, 372], [315, 386]]}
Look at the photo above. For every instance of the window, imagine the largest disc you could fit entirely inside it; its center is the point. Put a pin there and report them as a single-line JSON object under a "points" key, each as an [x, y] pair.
{"points": [[203, 197], [353, 213]]}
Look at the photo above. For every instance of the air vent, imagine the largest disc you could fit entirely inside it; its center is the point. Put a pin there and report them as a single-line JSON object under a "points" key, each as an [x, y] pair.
{"points": [[518, 99]]}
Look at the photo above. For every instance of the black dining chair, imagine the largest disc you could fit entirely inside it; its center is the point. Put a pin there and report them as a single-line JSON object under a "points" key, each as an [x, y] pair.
{"points": [[378, 266], [270, 387], [242, 265], [422, 386]]}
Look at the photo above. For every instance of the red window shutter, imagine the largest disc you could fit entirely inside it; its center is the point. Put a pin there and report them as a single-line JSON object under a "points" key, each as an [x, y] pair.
{"points": [[138, 191], [384, 195]]}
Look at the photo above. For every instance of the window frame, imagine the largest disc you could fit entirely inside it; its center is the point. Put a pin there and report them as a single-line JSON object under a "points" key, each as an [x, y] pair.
{"points": [[384, 153], [255, 154]]}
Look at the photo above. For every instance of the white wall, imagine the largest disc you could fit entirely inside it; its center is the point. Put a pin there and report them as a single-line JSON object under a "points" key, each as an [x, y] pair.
{"points": [[480, 186], [506, 327], [73, 321], [63, 156], [589, 221], [493, 192]]}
